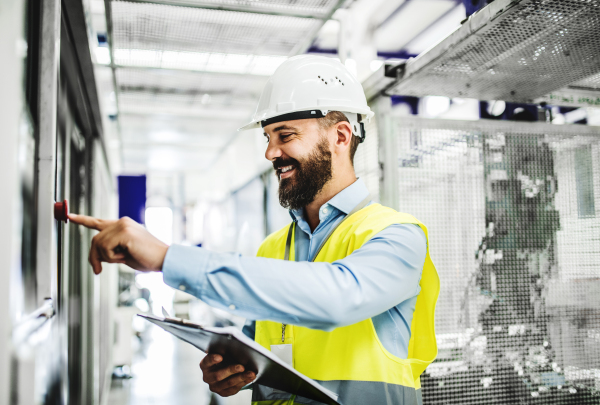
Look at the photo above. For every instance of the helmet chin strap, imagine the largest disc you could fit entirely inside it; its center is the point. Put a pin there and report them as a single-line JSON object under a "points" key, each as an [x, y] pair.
{"points": [[358, 127]]}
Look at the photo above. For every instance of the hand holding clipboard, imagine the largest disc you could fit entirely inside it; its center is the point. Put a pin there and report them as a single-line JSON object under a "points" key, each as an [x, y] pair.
{"points": [[237, 348]]}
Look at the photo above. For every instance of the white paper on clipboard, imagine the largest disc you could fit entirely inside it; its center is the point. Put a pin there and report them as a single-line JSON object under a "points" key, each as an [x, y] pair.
{"points": [[237, 348]]}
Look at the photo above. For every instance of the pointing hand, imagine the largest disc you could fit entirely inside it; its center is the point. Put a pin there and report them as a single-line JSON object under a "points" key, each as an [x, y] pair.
{"points": [[122, 241]]}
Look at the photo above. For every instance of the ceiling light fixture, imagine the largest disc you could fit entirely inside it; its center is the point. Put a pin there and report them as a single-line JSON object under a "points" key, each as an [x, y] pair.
{"points": [[261, 65]]}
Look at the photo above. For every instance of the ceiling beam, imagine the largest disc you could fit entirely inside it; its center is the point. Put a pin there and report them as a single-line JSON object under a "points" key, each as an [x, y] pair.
{"points": [[220, 115], [149, 144], [238, 98], [303, 46], [240, 9], [430, 26], [172, 70]]}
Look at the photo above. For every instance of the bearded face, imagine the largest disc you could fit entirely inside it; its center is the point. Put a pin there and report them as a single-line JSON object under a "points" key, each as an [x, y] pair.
{"points": [[301, 180]]}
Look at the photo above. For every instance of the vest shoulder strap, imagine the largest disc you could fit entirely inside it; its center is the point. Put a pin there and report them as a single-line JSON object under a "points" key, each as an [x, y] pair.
{"points": [[277, 238]]}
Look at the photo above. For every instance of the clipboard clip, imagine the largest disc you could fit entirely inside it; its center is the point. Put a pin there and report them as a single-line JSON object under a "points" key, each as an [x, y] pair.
{"points": [[180, 321]]}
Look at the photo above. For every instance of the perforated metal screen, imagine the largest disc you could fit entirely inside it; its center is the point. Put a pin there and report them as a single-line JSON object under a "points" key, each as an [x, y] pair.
{"points": [[188, 93], [201, 61], [313, 8], [511, 50], [514, 227], [145, 26], [239, 86], [149, 102], [589, 83]]}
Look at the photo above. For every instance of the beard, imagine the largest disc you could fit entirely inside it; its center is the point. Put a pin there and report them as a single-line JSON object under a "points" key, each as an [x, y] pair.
{"points": [[311, 175]]}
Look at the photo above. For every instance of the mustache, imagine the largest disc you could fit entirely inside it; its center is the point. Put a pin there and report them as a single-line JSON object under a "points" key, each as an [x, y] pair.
{"points": [[278, 163]]}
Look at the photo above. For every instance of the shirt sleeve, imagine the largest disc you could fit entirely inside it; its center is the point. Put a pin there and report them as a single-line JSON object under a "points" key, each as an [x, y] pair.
{"points": [[384, 272]]}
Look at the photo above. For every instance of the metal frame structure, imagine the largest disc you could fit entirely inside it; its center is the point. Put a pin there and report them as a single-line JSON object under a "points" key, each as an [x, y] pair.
{"points": [[512, 50], [11, 104], [303, 46], [388, 152], [173, 41], [48, 115], [240, 8], [483, 125], [452, 157], [46, 154]]}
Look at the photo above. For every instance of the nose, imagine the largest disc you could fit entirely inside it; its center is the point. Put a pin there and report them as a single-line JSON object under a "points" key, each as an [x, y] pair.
{"points": [[273, 151]]}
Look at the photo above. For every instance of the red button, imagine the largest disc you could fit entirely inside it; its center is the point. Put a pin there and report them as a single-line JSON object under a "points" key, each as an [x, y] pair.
{"points": [[61, 211]]}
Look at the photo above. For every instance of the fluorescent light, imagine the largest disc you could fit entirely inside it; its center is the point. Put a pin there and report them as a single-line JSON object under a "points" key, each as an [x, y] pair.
{"points": [[102, 55], [436, 105], [375, 65], [262, 65], [174, 59], [496, 108], [205, 99], [575, 115]]}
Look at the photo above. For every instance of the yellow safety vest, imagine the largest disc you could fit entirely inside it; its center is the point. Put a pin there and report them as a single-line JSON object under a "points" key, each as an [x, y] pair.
{"points": [[350, 360]]}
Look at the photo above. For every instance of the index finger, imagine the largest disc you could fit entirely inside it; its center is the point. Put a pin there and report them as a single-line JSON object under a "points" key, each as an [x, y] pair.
{"points": [[210, 360], [89, 222]]}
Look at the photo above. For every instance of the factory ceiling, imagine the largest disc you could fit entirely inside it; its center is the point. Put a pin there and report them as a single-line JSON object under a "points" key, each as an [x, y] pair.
{"points": [[177, 78]]}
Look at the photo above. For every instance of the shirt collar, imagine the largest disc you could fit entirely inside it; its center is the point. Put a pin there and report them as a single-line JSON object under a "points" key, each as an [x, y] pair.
{"points": [[344, 201]]}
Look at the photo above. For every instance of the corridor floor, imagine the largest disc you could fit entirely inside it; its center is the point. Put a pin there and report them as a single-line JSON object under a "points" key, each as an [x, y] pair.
{"points": [[165, 372]]}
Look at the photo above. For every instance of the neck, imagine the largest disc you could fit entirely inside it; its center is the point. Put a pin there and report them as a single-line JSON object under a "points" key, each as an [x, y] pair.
{"points": [[330, 190]]}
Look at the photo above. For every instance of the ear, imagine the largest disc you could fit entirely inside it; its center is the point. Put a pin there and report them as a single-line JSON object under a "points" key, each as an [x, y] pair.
{"points": [[343, 137]]}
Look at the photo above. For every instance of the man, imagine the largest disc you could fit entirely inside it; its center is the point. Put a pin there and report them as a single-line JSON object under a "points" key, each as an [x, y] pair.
{"points": [[346, 293]]}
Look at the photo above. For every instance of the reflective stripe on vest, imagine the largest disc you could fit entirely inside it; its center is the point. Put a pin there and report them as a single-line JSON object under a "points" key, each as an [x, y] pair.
{"points": [[351, 360]]}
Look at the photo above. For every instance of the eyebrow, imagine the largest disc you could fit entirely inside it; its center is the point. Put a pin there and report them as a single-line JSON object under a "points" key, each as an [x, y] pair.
{"points": [[282, 128], [285, 127]]}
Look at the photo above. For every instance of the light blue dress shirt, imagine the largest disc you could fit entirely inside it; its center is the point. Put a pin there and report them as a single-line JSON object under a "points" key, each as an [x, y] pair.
{"points": [[379, 281]]}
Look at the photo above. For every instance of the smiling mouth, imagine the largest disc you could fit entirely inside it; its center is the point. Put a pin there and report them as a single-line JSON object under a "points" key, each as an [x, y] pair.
{"points": [[285, 172]]}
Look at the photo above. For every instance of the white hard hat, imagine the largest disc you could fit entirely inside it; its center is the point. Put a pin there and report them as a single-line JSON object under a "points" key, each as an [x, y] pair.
{"points": [[308, 86]]}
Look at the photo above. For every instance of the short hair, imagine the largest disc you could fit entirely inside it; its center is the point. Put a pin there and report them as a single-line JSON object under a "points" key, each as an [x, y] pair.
{"points": [[334, 117]]}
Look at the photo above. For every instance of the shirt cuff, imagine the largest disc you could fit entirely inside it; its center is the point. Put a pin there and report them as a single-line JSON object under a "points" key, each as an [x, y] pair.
{"points": [[184, 268]]}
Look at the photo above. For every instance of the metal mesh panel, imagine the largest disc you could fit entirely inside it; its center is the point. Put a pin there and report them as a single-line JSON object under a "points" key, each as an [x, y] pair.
{"points": [[512, 211], [366, 160], [589, 83], [148, 102], [315, 8], [143, 26], [190, 82], [188, 93], [511, 52], [210, 133]]}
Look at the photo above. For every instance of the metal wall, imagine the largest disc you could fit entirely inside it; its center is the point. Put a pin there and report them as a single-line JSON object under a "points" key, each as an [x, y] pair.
{"points": [[512, 213], [55, 310], [11, 106]]}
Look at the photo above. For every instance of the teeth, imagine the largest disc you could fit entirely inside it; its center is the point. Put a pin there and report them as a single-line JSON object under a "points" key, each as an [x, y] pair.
{"points": [[286, 169]]}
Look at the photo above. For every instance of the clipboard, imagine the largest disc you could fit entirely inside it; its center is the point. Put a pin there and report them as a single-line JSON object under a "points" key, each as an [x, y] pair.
{"points": [[237, 348]]}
